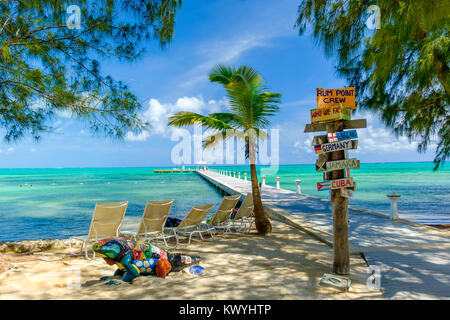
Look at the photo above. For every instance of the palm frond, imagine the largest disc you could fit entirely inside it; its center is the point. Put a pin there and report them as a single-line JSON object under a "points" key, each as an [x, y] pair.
{"points": [[229, 118], [222, 74], [184, 118]]}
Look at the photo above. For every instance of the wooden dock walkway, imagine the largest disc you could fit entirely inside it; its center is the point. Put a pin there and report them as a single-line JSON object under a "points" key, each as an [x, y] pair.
{"points": [[174, 170], [370, 233]]}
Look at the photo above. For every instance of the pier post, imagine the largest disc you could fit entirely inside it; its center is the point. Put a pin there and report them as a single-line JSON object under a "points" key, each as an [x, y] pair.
{"points": [[394, 209], [239, 175], [278, 182], [245, 176], [299, 190], [339, 205], [264, 181]]}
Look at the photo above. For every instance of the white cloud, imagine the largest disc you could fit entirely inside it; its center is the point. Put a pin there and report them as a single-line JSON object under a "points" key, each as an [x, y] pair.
{"points": [[373, 139], [223, 52], [32, 150], [158, 113], [7, 151], [130, 136], [67, 114]]}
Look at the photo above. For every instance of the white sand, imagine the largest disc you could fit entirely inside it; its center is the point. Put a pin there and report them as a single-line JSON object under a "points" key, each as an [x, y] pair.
{"points": [[288, 264]]}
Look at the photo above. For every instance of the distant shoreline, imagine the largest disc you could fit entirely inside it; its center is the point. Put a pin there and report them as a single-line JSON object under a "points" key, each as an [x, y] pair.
{"points": [[199, 165]]}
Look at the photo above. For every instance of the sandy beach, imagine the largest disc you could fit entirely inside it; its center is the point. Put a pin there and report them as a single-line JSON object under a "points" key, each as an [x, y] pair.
{"points": [[287, 264]]}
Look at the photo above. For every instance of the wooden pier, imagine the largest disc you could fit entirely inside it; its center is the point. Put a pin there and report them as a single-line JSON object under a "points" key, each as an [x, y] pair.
{"points": [[381, 240], [174, 170]]}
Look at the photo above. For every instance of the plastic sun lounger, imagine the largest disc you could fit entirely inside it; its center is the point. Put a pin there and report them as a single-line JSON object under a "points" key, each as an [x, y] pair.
{"points": [[243, 220], [192, 224], [106, 222], [152, 222], [220, 221]]}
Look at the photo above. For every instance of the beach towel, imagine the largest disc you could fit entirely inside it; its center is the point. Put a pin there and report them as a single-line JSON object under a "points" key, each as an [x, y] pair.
{"points": [[172, 222]]}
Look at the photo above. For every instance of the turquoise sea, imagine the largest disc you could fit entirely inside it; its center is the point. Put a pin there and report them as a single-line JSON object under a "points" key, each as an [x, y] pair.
{"points": [[58, 203]]}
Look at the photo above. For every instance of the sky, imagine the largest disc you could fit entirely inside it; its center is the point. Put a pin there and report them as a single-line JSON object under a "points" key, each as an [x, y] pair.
{"points": [[258, 33]]}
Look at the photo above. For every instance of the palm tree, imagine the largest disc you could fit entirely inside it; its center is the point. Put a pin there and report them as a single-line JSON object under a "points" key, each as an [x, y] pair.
{"points": [[250, 106]]}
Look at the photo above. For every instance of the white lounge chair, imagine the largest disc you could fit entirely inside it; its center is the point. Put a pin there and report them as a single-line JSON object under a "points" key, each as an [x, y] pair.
{"points": [[243, 220], [192, 224], [106, 221], [152, 222], [220, 221]]}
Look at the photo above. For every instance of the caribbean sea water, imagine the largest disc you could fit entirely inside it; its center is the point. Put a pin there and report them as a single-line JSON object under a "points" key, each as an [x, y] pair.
{"points": [[58, 203]]}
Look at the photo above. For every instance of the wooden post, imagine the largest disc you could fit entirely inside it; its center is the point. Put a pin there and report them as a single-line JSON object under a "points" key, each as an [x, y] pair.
{"points": [[341, 264]]}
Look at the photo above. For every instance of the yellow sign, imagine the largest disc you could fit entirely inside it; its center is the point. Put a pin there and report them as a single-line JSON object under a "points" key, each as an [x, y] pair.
{"points": [[331, 113], [333, 97]]}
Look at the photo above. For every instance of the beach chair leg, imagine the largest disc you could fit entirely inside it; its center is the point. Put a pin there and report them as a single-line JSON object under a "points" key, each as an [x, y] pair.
{"points": [[82, 247], [165, 241], [70, 248], [86, 251], [177, 239], [250, 226], [190, 237]]}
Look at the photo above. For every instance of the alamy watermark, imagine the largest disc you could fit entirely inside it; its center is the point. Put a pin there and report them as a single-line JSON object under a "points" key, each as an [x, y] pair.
{"points": [[74, 20], [233, 148], [69, 278], [374, 280], [374, 19]]}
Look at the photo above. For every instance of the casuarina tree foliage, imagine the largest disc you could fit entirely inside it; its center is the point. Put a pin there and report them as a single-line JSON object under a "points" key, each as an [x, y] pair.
{"points": [[50, 61], [396, 54]]}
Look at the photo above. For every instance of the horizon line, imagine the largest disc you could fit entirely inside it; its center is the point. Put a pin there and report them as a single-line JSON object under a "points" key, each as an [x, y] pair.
{"points": [[196, 165]]}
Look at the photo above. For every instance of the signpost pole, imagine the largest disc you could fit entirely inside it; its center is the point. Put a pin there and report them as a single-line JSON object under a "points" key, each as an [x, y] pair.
{"points": [[339, 204]]}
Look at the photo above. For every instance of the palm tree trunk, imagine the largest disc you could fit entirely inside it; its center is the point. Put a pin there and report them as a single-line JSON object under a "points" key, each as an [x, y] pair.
{"points": [[262, 222]]}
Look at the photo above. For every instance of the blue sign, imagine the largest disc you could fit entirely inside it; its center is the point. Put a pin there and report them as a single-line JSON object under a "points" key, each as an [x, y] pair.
{"points": [[347, 135]]}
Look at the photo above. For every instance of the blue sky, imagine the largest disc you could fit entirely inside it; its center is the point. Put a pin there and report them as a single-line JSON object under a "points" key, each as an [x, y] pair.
{"points": [[258, 33]]}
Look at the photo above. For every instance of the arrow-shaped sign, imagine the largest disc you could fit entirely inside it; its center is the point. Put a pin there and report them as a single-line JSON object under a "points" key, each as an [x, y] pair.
{"points": [[346, 135], [335, 184], [325, 185], [352, 163]]}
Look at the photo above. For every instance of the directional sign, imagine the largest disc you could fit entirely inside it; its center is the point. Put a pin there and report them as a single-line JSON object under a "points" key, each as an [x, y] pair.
{"points": [[337, 165], [331, 113], [336, 146], [348, 124], [342, 135], [327, 175], [335, 184], [332, 97]]}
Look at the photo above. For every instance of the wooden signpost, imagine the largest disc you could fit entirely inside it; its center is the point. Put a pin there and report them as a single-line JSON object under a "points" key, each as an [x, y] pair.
{"points": [[333, 116]]}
